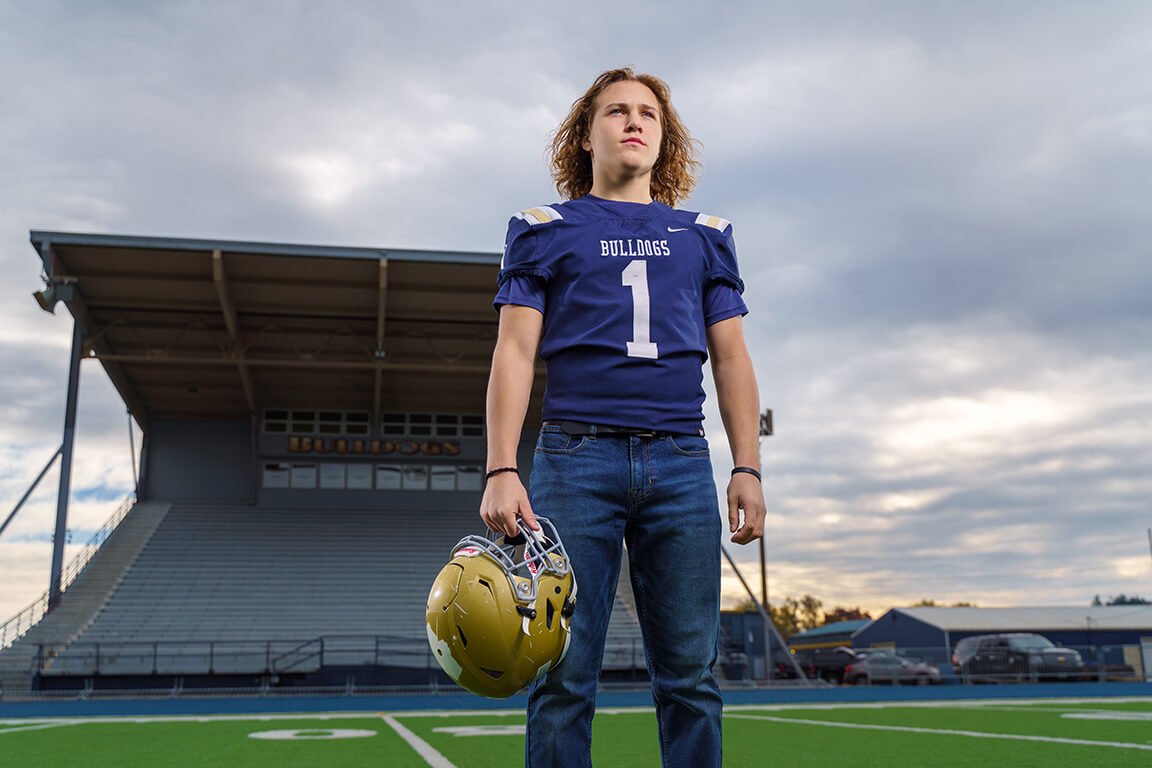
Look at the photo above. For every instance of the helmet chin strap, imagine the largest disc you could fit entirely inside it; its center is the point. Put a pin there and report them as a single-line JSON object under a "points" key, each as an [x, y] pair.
{"points": [[528, 614]]}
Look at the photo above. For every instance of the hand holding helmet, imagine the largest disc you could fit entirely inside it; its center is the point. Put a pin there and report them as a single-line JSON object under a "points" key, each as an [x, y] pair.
{"points": [[498, 612]]}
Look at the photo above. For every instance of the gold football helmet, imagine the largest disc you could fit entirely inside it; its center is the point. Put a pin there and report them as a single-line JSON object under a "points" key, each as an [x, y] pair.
{"points": [[498, 612]]}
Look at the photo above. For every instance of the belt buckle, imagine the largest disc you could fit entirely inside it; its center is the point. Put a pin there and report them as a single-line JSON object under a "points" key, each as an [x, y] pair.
{"points": [[647, 433]]}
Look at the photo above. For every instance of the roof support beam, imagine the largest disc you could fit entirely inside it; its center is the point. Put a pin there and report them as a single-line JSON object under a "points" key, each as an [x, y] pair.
{"points": [[337, 365], [228, 306], [56, 577], [380, 353]]}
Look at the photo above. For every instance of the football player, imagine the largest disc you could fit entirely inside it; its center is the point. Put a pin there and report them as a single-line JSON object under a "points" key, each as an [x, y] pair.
{"points": [[625, 297]]}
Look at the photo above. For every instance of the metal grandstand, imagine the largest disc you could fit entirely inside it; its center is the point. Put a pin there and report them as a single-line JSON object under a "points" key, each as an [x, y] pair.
{"points": [[306, 410]]}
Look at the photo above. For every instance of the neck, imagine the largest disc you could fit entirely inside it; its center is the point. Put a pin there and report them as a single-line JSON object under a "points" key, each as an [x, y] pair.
{"points": [[628, 189]]}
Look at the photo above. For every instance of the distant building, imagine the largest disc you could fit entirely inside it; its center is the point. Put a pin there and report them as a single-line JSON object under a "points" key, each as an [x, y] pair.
{"points": [[828, 636], [1115, 634]]}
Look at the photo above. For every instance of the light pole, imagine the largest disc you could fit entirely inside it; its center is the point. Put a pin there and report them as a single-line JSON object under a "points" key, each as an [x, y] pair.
{"points": [[769, 630], [765, 431]]}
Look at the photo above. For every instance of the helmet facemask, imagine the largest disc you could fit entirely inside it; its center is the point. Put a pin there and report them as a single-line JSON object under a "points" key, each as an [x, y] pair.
{"points": [[527, 559]]}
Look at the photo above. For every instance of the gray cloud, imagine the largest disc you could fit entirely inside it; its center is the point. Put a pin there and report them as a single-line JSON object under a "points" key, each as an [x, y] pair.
{"points": [[941, 211]]}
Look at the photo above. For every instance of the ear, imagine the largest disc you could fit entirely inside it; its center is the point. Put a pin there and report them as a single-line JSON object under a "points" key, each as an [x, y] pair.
{"points": [[586, 145]]}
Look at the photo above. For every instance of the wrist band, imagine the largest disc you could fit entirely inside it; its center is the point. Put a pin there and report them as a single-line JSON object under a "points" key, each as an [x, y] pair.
{"points": [[493, 472], [748, 471]]}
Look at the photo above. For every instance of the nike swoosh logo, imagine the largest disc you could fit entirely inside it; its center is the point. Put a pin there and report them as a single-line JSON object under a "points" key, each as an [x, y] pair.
{"points": [[677, 229]]}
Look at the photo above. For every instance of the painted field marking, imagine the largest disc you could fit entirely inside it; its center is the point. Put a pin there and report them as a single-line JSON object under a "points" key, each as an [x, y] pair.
{"points": [[1035, 705], [1037, 709], [482, 730], [946, 732], [1105, 714], [423, 748], [255, 717], [312, 735], [39, 726]]}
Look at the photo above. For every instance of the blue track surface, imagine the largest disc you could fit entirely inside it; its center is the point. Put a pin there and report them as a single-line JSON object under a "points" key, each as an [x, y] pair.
{"points": [[237, 705]]}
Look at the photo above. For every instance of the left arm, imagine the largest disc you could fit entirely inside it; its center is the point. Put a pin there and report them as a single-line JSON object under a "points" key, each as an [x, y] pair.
{"points": [[739, 401]]}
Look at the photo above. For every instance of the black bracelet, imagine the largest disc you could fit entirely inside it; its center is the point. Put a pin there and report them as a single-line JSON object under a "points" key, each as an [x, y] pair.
{"points": [[493, 472], [748, 471]]}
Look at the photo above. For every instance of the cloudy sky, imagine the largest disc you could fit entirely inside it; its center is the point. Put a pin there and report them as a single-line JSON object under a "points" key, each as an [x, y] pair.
{"points": [[942, 211]]}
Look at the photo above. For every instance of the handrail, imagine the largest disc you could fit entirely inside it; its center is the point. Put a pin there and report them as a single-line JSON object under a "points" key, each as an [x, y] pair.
{"points": [[139, 658], [278, 662], [276, 656], [16, 627]]}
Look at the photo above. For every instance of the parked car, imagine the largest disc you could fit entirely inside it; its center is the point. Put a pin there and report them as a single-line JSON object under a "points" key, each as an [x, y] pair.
{"points": [[879, 666], [826, 663], [1015, 656]]}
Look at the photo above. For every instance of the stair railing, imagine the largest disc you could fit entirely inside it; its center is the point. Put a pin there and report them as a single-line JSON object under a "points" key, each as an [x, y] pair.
{"points": [[18, 626]]}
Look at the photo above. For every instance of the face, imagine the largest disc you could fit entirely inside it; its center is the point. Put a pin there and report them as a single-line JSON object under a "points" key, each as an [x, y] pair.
{"points": [[625, 132]]}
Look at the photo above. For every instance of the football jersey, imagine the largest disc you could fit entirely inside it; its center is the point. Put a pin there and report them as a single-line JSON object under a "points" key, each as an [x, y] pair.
{"points": [[626, 291]]}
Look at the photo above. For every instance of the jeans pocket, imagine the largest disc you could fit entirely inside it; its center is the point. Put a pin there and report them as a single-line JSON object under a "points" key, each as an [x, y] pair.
{"points": [[556, 440], [688, 445]]}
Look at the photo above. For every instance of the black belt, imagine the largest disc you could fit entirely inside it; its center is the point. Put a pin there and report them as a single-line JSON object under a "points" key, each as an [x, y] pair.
{"points": [[580, 428]]}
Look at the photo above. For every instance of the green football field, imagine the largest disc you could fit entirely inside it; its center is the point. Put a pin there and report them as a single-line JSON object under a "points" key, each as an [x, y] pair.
{"points": [[1016, 734]]}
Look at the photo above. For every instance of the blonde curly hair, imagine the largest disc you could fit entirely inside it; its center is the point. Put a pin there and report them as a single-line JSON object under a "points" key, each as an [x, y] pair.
{"points": [[674, 174]]}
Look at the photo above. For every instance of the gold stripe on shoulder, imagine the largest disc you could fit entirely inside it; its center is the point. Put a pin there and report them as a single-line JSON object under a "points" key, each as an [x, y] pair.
{"points": [[540, 215], [713, 221]]}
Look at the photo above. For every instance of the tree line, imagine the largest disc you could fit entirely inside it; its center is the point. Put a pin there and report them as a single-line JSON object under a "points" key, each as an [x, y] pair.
{"points": [[799, 614]]}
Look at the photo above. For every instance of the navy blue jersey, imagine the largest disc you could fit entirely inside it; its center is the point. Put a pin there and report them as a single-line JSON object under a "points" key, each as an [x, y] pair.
{"points": [[626, 290]]}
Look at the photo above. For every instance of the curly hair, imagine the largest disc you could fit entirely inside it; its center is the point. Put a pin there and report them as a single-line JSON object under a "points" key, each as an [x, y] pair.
{"points": [[674, 174]]}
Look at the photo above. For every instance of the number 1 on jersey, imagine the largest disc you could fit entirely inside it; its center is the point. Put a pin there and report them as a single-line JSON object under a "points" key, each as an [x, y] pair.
{"points": [[636, 277]]}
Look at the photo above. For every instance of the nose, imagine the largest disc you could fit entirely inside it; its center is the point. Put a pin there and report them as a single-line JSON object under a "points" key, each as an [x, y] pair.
{"points": [[634, 123]]}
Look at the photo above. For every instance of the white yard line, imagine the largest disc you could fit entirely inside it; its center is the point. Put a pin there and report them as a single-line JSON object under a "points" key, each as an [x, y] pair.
{"points": [[39, 726], [1109, 714], [255, 717], [1009, 704], [423, 748], [944, 732]]}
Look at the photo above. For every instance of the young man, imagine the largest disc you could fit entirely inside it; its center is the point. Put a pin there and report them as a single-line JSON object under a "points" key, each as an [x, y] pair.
{"points": [[625, 298]]}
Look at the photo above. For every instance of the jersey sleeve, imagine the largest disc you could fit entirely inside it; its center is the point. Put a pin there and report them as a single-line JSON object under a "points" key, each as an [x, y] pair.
{"points": [[523, 277], [724, 266], [722, 294], [722, 301]]}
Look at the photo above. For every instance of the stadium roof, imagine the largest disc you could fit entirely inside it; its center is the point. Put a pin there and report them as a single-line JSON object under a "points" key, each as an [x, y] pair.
{"points": [[1033, 619], [190, 328]]}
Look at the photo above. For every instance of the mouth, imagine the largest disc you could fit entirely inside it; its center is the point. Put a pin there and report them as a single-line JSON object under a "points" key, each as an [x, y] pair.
{"points": [[636, 141]]}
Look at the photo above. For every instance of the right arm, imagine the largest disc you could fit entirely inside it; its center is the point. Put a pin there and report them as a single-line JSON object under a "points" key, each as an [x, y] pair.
{"points": [[509, 390]]}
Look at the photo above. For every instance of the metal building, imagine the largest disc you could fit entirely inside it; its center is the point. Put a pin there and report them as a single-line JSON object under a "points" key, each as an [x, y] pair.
{"points": [[1119, 635]]}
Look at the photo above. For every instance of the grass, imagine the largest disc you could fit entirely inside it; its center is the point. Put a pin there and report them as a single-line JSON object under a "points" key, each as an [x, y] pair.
{"points": [[1048, 734]]}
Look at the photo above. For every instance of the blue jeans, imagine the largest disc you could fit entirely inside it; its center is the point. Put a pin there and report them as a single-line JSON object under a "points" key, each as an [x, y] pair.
{"points": [[658, 495]]}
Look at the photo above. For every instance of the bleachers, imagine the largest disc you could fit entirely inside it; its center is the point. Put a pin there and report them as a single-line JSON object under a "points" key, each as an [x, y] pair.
{"points": [[234, 589]]}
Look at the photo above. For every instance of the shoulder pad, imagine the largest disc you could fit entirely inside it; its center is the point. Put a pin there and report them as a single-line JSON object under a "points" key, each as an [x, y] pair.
{"points": [[539, 215], [713, 221]]}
